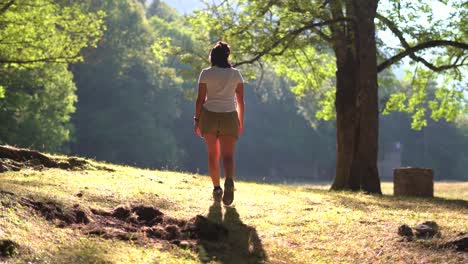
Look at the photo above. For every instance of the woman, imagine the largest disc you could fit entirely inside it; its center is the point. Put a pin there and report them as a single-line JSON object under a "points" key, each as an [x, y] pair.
{"points": [[219, 117]]}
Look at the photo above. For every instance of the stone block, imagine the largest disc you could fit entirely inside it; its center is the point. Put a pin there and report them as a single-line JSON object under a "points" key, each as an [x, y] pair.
{"points": [[413, 182]]}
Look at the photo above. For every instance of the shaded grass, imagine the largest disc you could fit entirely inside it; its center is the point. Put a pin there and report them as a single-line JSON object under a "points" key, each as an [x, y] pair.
{"points": [[284, 224]]}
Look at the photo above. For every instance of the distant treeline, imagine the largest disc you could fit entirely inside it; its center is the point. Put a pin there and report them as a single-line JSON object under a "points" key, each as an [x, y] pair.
{"points": [[131, 101]]}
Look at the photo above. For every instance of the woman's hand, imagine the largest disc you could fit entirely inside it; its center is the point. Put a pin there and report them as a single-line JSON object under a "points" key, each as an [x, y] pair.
{"points": [[196, 128], [241, 129]]}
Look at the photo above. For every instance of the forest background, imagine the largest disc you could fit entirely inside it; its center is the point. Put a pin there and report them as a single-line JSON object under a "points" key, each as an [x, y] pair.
{"points": [[131, 101]]}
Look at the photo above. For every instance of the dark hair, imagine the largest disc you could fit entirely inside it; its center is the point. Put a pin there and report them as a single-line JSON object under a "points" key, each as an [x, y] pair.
{"points": [[219, 55]]}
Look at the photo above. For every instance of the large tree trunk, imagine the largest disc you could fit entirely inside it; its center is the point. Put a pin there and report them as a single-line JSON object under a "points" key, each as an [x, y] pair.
{"points": [[345, 104], [357, 102]]}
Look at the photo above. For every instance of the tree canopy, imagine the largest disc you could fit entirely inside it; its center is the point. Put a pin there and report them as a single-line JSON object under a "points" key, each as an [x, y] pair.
{"points": [[296, 38], [34, 32], [43, 31]]}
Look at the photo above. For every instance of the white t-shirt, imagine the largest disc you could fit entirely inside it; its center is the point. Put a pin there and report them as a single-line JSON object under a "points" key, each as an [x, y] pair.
{"points": [[221, 86]]}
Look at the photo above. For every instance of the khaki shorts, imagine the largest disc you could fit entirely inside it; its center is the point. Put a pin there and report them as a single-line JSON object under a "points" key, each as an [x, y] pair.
{"points": [[220, 124]]}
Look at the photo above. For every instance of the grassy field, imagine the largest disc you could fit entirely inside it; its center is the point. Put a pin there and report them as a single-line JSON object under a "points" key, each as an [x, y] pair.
{"points": [[267, 223]]}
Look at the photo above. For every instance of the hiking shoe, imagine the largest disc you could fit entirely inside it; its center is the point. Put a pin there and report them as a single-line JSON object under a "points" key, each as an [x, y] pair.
{"points": [[228, 196], [217, 194]]}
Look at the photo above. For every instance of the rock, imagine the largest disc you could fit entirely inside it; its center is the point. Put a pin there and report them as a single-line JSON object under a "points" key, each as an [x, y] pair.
{"points": [[427, 229], [405, 230], [413, 182], [460, 243], [433, 225], [8, 248]]}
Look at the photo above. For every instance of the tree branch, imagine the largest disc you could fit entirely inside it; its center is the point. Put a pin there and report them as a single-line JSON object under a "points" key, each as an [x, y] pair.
{"points": [[410, 51], [291, 35], [54, 60], [322, 34], [429, 44]]}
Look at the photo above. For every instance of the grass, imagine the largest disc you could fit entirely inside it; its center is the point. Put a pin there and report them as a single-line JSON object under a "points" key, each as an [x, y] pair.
{"points": [[270, 223]]}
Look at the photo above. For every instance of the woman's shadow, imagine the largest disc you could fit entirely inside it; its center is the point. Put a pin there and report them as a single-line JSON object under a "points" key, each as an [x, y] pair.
{"points": [[241, 245]]}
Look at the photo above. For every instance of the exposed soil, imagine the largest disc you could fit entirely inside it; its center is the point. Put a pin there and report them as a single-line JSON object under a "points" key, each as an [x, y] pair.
{"points": [[459, 243], [15, 159], [139, 223], [8, 248], [430, 229]]}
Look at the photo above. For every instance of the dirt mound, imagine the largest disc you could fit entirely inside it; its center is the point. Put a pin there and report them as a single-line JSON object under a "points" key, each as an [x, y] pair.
{"points": [[15, 159], [146, 213], [139, 223], [53, 212], [459, 243], [8, 248]]}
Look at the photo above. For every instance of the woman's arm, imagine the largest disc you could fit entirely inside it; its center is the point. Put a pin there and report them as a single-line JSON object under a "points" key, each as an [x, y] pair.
{"points": [[240, 106], [201, 98]]}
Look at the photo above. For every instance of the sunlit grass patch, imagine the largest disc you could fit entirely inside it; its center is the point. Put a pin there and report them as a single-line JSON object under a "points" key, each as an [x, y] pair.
{"points": [[272, 223]]}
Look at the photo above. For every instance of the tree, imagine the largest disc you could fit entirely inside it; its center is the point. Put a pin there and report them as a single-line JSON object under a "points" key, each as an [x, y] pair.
{"points": [[38, 38], [35, 32], [37, 107], [297, 34], [126, 102]]}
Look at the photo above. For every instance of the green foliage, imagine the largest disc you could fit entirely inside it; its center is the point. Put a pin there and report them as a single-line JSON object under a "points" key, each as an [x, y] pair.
{"points": [[34, 33], [312, 75], [396, 102], [127, 99], [327, 106], [421, 92], [178, 43], [160, 9], [37, 108], [449, 103], [161, 48], [38, 31]]}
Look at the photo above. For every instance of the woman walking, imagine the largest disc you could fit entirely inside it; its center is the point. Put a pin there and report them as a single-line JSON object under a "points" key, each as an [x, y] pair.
{"points": [[219, 117]]}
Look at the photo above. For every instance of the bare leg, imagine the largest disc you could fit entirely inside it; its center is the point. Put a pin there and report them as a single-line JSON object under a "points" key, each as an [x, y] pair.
{"points": [[228, 146], [213, 146]]}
